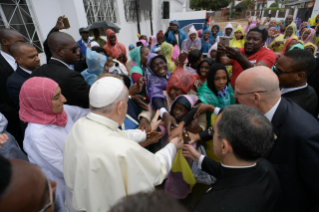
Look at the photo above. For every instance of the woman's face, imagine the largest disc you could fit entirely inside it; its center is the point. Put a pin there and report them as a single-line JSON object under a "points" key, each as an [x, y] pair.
{"points": [[204, 69], [271, 32], [192, 36], [220, 80], [57, 101], [144, 54], [215, 30], [310, 49], [306, 34], [291, 44], [175, 92], [179, 111], [289, 31], [238, 35], [206, 35], [159, 67], [213, 53]]}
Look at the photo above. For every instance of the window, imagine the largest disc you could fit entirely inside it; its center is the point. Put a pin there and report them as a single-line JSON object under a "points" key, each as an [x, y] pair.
{"points": [[15, 14], [100, 10], [130, 12]]}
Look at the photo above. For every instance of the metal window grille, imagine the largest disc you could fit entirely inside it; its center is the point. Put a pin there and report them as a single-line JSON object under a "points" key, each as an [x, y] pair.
{"points": [[100, 10], [130, 12], [16, 15]]}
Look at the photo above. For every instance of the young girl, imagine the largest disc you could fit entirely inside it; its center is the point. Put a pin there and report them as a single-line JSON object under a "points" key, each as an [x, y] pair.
{"points": [[239, 39], [192, 41], [206, 40], [202, 71], [194, 58]]}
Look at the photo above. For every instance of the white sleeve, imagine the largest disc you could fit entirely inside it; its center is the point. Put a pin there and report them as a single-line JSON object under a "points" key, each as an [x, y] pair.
{"points": [[167, 155], [162, 111], [75, 112], [200, 161], [136, 135], [216, 111]]}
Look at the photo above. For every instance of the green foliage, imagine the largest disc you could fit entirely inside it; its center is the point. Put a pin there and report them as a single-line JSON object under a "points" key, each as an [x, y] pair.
{"points": [[213, 5], [275, 4], [227, 13], [246, 4], [272, 8]]}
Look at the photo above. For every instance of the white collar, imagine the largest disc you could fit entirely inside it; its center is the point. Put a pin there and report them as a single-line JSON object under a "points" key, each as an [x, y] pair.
{"points": [[27, 71], [287, 90], [103, 117], [272, 111], [10, 60], [53, 58], [237, 167]]}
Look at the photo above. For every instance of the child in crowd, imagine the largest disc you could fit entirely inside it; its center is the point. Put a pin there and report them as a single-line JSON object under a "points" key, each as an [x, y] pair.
{"points": [[239, 40], [202, 71], [194, 58], [192, 41], [206, 40]]}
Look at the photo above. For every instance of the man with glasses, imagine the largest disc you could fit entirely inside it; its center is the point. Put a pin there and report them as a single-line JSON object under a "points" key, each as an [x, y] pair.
{"points": [[65, 52], [292, 70], [253, 53], [24, 187]]}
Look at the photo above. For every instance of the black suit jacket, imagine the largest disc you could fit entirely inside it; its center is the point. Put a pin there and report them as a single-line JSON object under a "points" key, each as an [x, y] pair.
{"points": [[14, 84], [295, 156], [255, 189], [7, 107], [73, 86], [306, 98], [313, 81]]}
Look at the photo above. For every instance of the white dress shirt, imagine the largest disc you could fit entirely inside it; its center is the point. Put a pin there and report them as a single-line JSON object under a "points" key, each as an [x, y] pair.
{"points": [[44, 146], [272, 111], [287, 90], [10, 60]]}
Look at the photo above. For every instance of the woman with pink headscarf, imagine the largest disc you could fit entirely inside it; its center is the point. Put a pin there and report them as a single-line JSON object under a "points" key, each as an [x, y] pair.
{"points": [[307, 36], [49, 122]]}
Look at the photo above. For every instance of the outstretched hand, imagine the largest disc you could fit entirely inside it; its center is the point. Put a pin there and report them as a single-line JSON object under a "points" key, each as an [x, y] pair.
{"points": [[59, 24], [138, 99], [168, 121], [203, 108], [3, 138], [191, 152]]}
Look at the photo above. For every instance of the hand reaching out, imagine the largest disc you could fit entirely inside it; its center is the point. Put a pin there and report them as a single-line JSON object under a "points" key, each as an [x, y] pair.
{"points": [[59, 24], [3, 138], [155, 121], [191, 152]]}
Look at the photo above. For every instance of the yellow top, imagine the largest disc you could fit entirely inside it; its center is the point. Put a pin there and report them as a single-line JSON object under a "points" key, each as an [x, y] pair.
{"points": [[283, 38], [237, 43]]}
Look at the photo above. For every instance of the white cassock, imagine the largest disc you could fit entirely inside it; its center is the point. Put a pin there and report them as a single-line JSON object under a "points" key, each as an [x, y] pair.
{"points": [[44, 146], [101, 165]]}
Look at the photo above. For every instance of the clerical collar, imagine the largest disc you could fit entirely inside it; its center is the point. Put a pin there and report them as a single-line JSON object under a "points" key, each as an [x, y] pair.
{"points": [[53, 58], [25, 70], [10, 60], [287, 90], [238, 167], [272, 111], [105, 118]]}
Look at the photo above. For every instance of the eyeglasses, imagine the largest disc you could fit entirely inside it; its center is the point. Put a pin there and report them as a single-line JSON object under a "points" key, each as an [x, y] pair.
{"points": [[278, 71], [51, 197], [74, 49], [240, 94]]}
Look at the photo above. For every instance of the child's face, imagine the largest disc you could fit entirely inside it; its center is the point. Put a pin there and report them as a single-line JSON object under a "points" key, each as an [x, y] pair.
{"points": [[192, 36], [213, 53], [220, 80], [159, 67], [206, 35], [175, 92], [238, 35], [215, 30], [204, 69], [228, 31], [106, 67], [110, 61], [179, 111]]}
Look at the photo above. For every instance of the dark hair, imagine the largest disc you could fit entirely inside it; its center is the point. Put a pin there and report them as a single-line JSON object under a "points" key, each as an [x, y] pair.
{"points": [[194, 56], [98, 49], [5, 176], [210, 61], [301, 60], [211, 76], [15, 49], [127, 81], [140, 38], [248, 131], [158, 201], [263, 32]]}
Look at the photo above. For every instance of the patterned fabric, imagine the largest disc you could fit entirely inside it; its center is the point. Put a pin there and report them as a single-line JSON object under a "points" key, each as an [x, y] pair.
{"points": [[36, 102]]}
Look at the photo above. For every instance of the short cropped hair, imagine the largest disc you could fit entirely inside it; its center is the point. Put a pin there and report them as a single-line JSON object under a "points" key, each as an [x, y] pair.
{"points": [[99, 49], [249, 132], [15, 48], [302, 60], [158, 201], [263, 32]]}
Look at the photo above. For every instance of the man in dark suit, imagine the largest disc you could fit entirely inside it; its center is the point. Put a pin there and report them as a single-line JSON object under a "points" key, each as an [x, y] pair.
{"points": [[296, 149], [313, 81], [65, 52], [27, 58], [7, 66], [293, 69], [244, 181]]}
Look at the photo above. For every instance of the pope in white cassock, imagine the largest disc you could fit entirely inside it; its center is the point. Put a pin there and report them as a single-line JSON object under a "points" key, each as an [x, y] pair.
{"points": [[101, 165]]}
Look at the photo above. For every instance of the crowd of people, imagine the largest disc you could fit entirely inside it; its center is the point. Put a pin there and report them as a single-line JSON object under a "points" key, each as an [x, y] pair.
{"points": [[104, 127]]}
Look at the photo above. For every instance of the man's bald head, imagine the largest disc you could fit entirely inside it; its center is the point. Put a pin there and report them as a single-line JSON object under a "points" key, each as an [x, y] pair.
{"points": [[8, 37], [27, 188], [64, 47], [262, 83]]}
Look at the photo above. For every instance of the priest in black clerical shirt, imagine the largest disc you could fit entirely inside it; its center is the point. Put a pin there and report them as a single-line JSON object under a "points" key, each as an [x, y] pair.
{"points": [[245, 182]]}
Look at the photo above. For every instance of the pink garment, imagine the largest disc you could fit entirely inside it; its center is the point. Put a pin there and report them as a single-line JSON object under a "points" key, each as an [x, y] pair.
{"points": [[310, 36], [251, 26], [154, 41], [175, 53], [36, 102], [143, 42]]}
